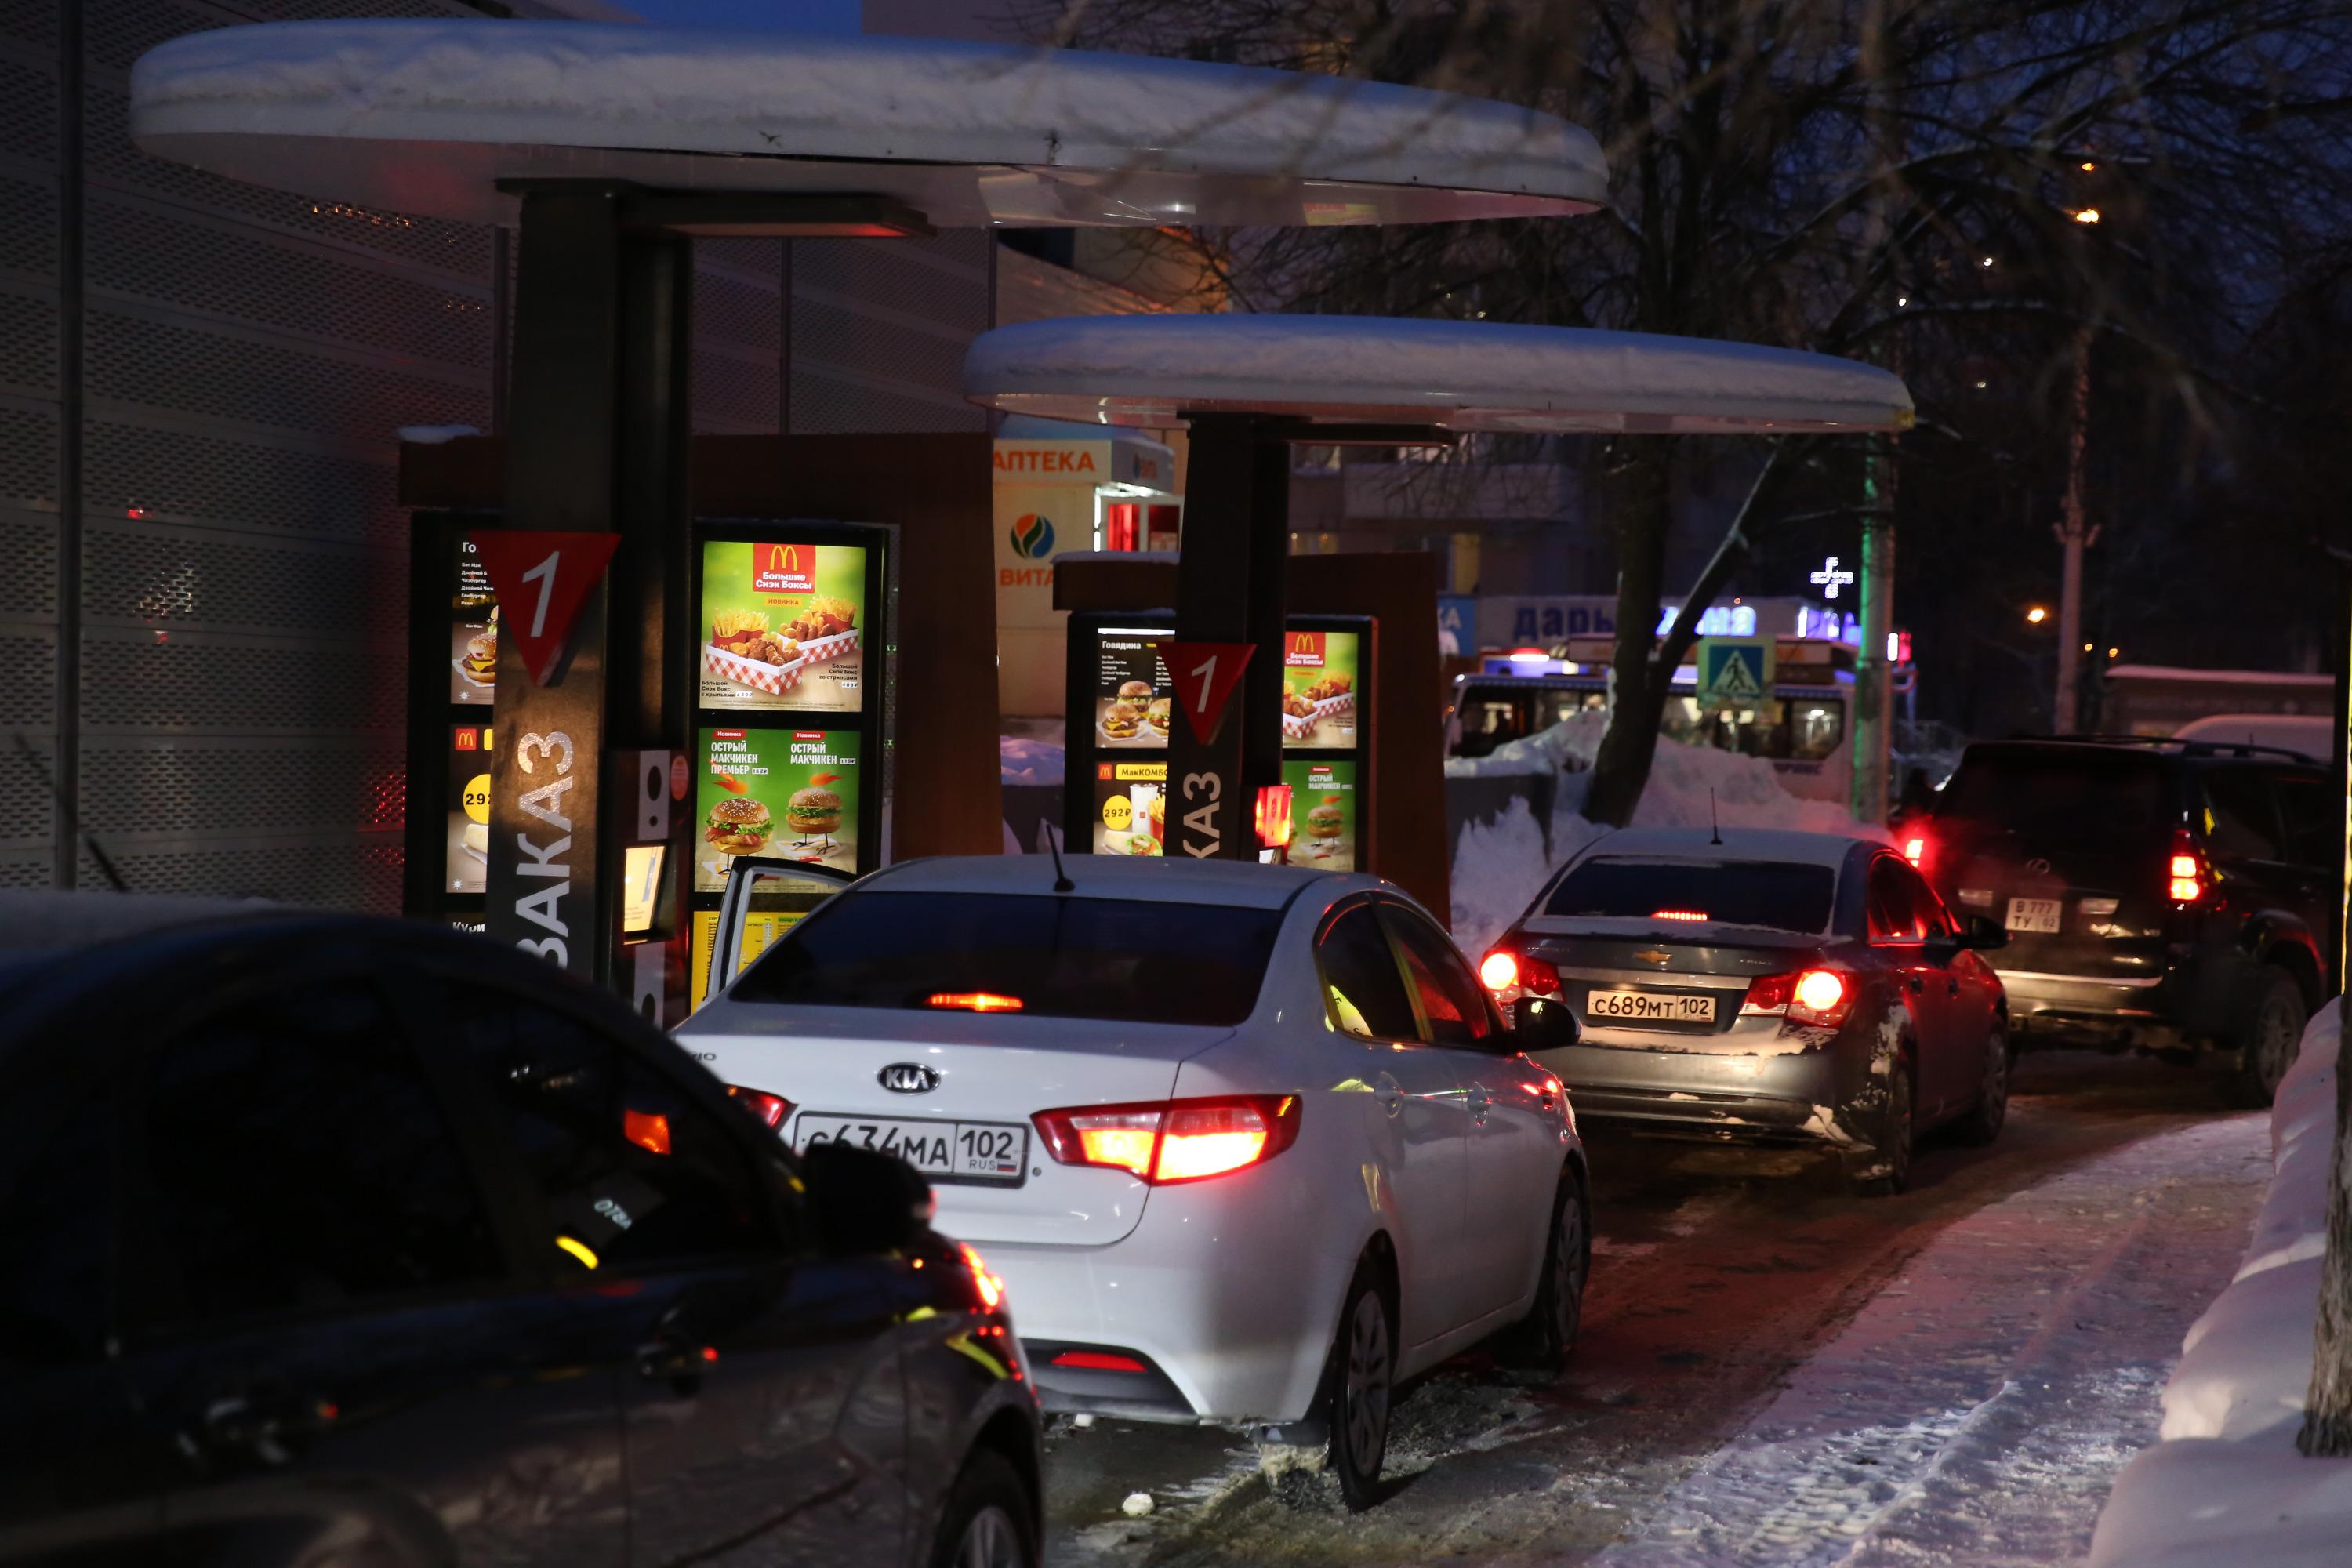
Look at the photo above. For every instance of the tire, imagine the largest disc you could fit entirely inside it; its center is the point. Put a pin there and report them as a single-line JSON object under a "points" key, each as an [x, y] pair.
{"points": [[1888, 1170], [1542, 1341], [1983, 1124], [2272, 1037], [1353, 1401], [987, 1521]]}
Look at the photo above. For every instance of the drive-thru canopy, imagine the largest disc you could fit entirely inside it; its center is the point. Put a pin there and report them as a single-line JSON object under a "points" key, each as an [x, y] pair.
{"points": [[427, 117], [1452, 375]]}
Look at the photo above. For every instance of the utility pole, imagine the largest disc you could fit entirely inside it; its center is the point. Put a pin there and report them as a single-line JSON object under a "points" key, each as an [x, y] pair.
{"points": [[2074, 536]]}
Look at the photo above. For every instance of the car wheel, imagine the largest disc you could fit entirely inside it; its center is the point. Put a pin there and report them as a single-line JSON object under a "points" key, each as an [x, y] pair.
{"points": [[1542, 1339], [1353, 1401], [1983, 1124], [1886, 1170], [2272, 1039], [986, 1522]]}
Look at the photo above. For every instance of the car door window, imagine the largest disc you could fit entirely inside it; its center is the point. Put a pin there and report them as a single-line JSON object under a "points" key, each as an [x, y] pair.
{"points": [[57, 1237], [1361, 980], [1451, 998], [2241, 819], [634, 1174], [295, 1158], [1929, 915], [1894, 914], [2310, 807]]}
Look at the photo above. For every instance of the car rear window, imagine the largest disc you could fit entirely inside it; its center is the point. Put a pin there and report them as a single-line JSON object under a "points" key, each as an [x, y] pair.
{"points": [[1780, 895], [1121, 960], [2085, 802]]}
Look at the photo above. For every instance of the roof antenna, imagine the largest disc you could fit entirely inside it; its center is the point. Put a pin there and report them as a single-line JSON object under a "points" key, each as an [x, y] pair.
{"points": [[1714, 823], [1062, 883]]}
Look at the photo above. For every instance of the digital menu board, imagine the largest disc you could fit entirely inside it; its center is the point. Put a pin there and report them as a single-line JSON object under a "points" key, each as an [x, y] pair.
{"points": [[465, 856], [1318, 690], [1130, 803], [762, 928], [782, 625], [1131, 707], [779, 791], [1323, 827], [473, 630]]}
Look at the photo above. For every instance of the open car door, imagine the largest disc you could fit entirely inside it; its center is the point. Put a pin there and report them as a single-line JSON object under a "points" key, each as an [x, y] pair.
{"points": [[764, 899]]}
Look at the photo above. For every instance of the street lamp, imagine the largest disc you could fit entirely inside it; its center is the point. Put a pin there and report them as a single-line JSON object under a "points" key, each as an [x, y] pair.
{"points": [[2036, 616], [2088, 215]]}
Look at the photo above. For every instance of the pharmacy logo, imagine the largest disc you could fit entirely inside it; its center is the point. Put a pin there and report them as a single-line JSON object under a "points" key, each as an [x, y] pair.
{"points": [[1032, 535]]}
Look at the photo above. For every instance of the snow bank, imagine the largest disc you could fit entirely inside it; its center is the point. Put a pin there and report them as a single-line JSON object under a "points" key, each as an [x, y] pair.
{"points": [[2226, 1483], [1499, 866]]}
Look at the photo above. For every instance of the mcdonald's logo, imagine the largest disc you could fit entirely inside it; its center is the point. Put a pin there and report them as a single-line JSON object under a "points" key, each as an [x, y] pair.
{"points": [[784, 568], [1305, 650]]}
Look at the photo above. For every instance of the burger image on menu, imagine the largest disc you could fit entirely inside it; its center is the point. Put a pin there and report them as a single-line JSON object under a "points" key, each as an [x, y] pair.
{"points": [[738, 825], [811, 812], [1122, 721], [1157, 715], [1326, 820], [481, 660]]}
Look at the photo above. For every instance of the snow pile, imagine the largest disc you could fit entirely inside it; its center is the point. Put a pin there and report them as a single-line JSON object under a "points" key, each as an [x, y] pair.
{"points": [[2226, 1483], [1023, 760], [1499, 866]]}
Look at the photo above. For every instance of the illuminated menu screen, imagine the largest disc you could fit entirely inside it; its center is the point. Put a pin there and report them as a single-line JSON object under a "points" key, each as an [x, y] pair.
{"points": [[1323, 828], [1133, 695], [473, 630], [1131, 807], [464, 865], [783, 625], [785, 793], [1319, 677]]}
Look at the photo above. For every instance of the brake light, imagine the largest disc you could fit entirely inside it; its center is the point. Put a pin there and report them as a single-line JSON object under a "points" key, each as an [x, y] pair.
{"points": [[1821, 997], [974, 1001], [1770, 993], [1678, 914], [1174, 1141], [1915, 851], [770, 1109], [1507, 973], [2185, 875]]}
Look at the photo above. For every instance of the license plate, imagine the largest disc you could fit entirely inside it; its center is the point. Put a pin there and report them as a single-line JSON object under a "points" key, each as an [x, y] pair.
{"points": [[944, 1151], [2037, 916], [1648, 1007]]}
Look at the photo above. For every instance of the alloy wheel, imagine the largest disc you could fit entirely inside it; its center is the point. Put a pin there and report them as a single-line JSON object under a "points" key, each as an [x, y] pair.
{"points": [[1568, 1267], [990, 1541], [2276, 1042]]}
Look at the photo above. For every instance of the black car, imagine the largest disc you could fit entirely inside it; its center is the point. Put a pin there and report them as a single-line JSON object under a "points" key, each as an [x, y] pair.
{"points": [[334, 1240], [1764, 987], [2162, 895]]}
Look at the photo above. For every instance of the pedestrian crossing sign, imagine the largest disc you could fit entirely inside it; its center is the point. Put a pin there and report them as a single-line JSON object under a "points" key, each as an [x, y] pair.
{"points": [[1734, 671]]}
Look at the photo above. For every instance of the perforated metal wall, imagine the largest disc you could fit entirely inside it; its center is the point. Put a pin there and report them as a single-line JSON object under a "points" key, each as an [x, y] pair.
{"points": [[879, 329]]}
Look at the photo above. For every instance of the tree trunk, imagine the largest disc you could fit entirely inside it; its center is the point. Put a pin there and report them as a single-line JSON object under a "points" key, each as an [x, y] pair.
{"points": [[2328, 1409], [1620, 769]]}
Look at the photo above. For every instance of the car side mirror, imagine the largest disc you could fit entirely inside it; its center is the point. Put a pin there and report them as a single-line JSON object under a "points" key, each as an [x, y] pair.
{"points": [[1544, 1024], [863, 1202], [1982, 933]]}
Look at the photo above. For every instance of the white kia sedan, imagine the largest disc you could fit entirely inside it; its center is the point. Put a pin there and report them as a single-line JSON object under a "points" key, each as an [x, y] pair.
{"points": [[1245, 1144]]}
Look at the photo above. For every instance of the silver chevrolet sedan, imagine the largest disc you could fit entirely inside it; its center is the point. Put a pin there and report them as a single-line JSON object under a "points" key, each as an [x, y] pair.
{"points": [[1763, 986]]}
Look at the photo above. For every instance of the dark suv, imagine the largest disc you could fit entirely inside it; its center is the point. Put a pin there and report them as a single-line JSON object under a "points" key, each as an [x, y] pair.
{"points": [[2163, 895]]}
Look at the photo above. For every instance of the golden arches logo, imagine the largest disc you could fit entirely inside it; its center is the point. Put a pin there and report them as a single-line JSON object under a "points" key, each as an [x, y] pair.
{"points": [[1303, 643], [783, 558]]}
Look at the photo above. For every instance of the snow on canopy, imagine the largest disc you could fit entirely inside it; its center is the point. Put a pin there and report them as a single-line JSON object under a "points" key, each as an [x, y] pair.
{"points": [[1462, 375], [424, 116]]}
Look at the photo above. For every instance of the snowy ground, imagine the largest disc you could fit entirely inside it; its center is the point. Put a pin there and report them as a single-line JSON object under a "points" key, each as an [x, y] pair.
{"points": [[1774, 1374]]}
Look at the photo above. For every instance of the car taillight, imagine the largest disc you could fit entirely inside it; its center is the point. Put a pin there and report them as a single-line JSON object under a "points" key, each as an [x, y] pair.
{"points": [[770, 1109], [1914, 849], [2186, 876], [1174, 1141], [1821, 996], [991, 1289], [1698, 916], [973, 1001], [1098, 1361], [1507, 973], [1769, 992]]}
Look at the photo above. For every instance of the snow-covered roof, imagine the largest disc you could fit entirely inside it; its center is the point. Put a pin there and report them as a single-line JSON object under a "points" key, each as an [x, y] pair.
{"points": [[424, 116], [1462, 375]]}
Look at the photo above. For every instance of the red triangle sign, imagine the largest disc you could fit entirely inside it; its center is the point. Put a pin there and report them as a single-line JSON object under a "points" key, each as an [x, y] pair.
{"points": [[541, 579], [1205, 674]]}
